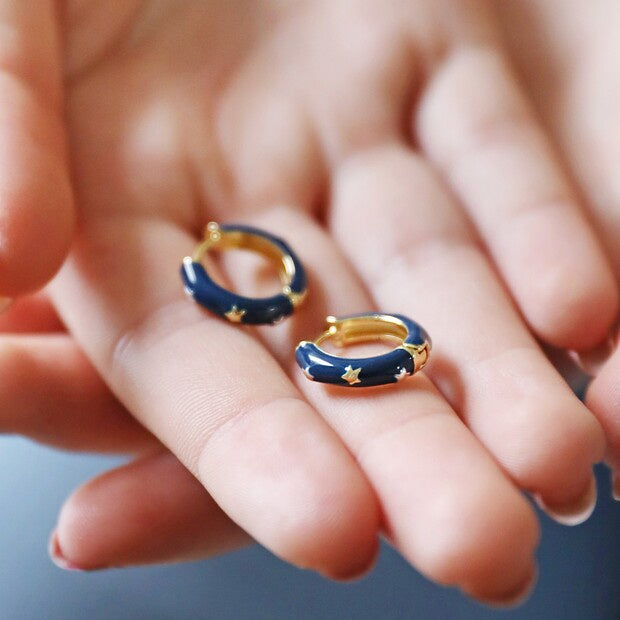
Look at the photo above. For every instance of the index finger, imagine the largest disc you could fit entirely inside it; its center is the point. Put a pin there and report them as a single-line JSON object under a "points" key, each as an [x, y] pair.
{"points": [[36, 208], [212, 394]]}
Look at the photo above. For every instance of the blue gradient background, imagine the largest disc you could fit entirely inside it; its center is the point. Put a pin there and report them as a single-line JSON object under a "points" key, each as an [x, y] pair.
{"points": [[580, 568]]}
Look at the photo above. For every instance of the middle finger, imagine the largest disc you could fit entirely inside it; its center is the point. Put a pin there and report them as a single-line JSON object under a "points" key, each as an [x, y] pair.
{"points": [[433, 479], [422, 257]]}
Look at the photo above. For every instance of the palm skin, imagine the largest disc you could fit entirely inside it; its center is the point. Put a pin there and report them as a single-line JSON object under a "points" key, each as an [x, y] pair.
{"points": [[356, 131]]}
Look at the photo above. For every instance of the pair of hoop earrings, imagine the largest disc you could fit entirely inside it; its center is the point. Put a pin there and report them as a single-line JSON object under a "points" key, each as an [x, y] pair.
{"points": [[410, 356]]}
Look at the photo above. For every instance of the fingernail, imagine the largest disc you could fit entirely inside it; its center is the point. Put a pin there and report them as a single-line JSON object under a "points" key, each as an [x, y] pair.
{"points": [[5, 304], [353, 571], [56, 555], [521, 594], [348, 576], [615, 486], [576, 512], [592, 361], [526, 591]]}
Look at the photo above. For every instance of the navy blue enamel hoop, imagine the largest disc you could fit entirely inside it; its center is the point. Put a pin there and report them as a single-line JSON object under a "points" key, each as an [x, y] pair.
{"points": [[237, 308], [410, 356]]}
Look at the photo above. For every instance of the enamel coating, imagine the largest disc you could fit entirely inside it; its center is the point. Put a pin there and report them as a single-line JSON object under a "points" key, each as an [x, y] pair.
{"points": [[237, 308], [392, 367]]}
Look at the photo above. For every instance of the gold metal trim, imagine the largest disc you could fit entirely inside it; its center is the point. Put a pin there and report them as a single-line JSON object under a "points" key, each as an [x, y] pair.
{"points": [[419, 353], [218, 239], [352, 330], [235, 315], [365, 328]]}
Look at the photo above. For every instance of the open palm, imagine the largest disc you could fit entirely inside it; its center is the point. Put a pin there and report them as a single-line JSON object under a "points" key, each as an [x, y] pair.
{"points": [[389, 144]]}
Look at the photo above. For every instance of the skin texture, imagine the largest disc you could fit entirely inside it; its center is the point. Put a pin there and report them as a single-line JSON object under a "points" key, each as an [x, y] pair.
{"points": [[395, 150], [574, 86]]}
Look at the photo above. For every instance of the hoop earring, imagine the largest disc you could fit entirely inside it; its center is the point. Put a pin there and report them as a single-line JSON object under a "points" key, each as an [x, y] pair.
{"points": [[409, 357], [237, 308]]}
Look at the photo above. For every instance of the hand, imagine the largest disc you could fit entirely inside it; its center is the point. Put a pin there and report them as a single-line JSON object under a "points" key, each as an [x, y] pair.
{"points": [[568, 56], [150, 510], [176, 116]]}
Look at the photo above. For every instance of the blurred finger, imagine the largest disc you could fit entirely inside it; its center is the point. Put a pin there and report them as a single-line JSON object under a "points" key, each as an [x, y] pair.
{"points": [[36, 213], [478, 127], [425, 261], [31, 314], [603, 398], [149, 511], [51, 393]]}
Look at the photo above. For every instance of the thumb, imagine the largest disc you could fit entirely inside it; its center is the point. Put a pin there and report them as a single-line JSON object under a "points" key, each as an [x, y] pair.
{"points": [[36, 206]]}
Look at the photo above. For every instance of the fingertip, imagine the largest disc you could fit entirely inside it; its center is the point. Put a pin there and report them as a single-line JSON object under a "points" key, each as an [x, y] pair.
{"points": [[592, 361], [354, 570], [603, 399], [573, 308], [35, 235], [486, 552], [322, 513], [615, 486], [560, 276], [340, 541], [57, 555], [69, 546], [512, 597], [558, 467], [36, 199], [573, 512], [150, 511], [354, 574]]}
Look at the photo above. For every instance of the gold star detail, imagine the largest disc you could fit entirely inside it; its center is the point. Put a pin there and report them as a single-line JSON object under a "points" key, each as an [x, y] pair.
{"points": [[351, 376], [234, 315], [402, 373]]}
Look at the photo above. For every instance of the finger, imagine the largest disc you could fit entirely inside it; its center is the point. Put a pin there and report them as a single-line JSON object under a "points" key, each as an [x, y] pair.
{"points": [[425, 262], [433, 479], [36, 209], [215, 397], [579, 109], [276, 150], [51, 393], [31, 314], [477, 126], [150, 511], [603, 398]]}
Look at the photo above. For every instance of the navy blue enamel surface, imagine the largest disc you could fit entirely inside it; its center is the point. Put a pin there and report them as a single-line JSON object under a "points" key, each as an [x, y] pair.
{"points": [[207, 293], [379, 370], [257, 311]]}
